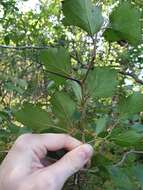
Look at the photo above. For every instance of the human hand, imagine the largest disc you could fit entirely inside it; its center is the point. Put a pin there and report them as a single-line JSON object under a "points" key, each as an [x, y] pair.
{"points": [[22, 168]]}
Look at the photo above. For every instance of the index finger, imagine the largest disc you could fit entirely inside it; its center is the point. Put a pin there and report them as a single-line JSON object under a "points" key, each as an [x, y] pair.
{"points": [[41, 143]]}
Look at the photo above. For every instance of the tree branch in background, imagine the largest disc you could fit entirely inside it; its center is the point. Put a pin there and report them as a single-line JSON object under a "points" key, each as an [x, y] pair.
{"points": [[24, 47], [134, 76]]}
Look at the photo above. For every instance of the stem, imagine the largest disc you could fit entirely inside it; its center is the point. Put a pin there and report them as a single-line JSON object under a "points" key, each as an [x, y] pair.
{"points": [[92, 141], [83, 112], [85, 98], [92, 60]]}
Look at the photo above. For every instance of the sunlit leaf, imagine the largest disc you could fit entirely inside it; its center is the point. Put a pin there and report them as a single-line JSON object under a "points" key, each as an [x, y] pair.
{"points": [[34, 117], [84, 14], [102, 82]]}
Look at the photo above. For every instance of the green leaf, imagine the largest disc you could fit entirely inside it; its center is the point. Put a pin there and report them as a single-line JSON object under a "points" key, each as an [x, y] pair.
{"points": [[102, 82], [63, 108], [34, 117], [126, 138], [125, 20], [58, 80], [101, 124], [56, 60], [131, 105], [120, 178], [83, 14]]}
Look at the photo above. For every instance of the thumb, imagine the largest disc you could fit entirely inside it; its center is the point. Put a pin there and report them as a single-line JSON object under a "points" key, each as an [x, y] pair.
{"points": [[70, 163]]}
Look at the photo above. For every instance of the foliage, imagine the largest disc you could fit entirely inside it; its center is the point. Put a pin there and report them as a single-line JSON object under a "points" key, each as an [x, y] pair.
{"points": [[121, 28], [66, 68]]}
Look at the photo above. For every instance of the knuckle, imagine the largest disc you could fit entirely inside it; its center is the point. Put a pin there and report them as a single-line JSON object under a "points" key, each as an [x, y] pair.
{"points": [[22, 139], [66, 136], [70, 141]]}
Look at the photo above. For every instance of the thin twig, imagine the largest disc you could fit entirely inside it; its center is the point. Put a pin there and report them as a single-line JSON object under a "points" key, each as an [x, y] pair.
{"points": [[126, 155], [92, 141]]}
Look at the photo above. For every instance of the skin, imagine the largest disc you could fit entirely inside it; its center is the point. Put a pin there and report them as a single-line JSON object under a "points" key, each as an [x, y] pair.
{"points": [[22, 168]]}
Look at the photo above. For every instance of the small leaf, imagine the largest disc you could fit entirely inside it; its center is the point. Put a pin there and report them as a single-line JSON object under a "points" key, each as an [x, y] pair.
{"points": [[126, 138], [34, 117], [83, 14], [101, 124], [63, 107], [131, 105], [125, 21], [102, 82], [112, 35], [77, 90], [56, 60]]}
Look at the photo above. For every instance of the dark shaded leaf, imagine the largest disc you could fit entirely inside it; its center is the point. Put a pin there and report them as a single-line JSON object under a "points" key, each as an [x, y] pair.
{"points": [[63, 107], [112, 35], [101, 124], [125, 23]]}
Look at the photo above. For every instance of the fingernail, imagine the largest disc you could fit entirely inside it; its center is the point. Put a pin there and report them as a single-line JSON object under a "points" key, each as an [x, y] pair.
{"points": [[86, 152]]}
